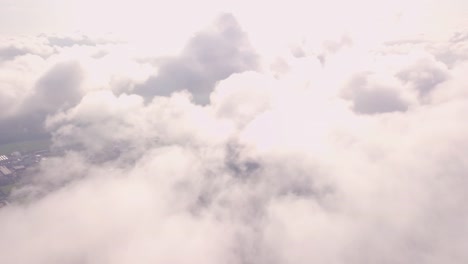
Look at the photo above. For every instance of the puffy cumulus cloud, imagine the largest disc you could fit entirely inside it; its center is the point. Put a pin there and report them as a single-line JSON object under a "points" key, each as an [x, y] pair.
{"points": [[59, 87], [12, 47], [10, 52], [241, 97], [61, 69], [371, 95], [451, 52], [361, 159], [424, 74], [210, 56], [136, 126], [300, 196], [403, 74], [38, 79], [453, 88]]}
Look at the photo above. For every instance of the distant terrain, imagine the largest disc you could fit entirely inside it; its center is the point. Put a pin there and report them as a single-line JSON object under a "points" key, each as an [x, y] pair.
{"points": [[25, 146]]}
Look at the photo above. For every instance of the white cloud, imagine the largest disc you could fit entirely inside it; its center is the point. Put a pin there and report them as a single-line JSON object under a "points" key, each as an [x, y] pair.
{"points": [[358, 158]]}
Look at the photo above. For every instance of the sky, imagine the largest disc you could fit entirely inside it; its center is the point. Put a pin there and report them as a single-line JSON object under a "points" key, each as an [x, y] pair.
{"points": [[240, 132]]}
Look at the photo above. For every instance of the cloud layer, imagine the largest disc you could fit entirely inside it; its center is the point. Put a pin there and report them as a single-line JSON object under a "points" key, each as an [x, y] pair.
{"points": [[208, 57], [215, 156]]}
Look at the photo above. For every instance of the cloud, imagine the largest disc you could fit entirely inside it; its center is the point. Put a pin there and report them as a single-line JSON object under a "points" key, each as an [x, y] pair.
{"points": [[8, 53], [66, 41], [12, 48], [58, 88], [210, 56], [61, 69], [239, 199], [41, 80], [424, 74], [459, 37], [372, 97], [450, 52], [359, 160]]}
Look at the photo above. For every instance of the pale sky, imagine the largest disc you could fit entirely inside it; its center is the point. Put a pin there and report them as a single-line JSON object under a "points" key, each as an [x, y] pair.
{"points": [[150, 20]]}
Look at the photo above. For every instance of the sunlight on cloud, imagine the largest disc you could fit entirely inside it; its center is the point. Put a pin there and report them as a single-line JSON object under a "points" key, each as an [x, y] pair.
{"points": [[234, 132]]}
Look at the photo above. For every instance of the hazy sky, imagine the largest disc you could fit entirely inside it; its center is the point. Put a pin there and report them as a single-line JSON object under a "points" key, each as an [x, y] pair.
{"points": [[161, 19], [237, 132]]}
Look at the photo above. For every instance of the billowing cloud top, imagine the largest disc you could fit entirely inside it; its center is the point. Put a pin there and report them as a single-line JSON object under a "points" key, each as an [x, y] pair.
{"points": [[240, 145]]}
